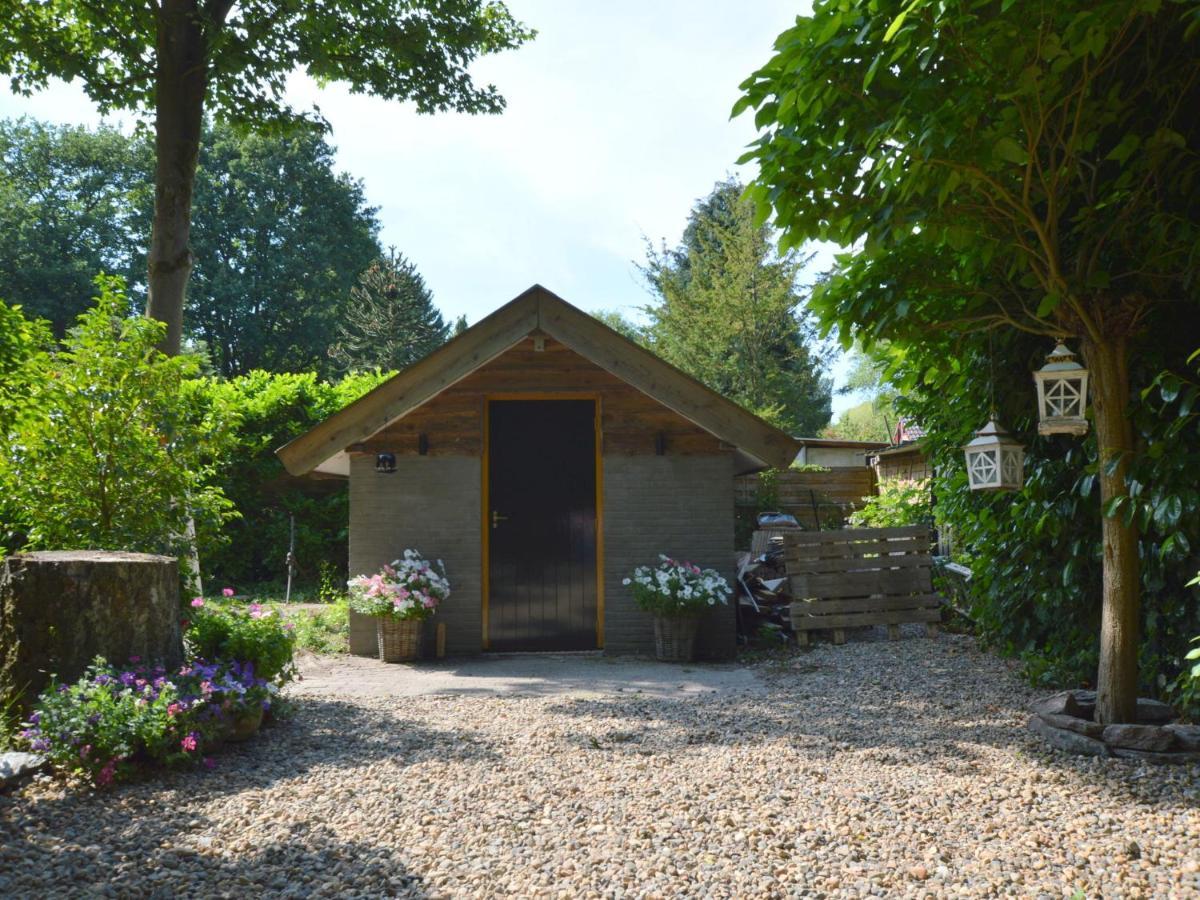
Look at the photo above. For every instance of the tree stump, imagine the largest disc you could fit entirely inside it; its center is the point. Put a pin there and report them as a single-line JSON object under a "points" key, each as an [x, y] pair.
{"points": [[60, 609]]}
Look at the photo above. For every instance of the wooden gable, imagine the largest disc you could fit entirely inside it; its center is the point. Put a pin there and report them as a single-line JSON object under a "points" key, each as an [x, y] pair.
{"points": [[631, 421]]}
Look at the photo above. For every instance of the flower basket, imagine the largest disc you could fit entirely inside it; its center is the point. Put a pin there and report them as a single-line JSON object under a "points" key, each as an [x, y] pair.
{"points": [[675, 637], [399, 639], [244, 725]]}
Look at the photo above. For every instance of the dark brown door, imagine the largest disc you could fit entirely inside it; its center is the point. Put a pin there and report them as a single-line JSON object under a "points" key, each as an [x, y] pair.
{"points": [[542, 525]]}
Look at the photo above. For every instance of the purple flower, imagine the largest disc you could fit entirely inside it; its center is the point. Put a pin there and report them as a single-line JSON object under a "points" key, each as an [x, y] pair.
{"points": [[127, 679], [34, 718], [135, 659], [41, 745]]}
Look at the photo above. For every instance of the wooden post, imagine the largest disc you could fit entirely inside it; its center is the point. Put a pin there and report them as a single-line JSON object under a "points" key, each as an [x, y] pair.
{"points": [[441, 640], [893, 632], [839, 635]]}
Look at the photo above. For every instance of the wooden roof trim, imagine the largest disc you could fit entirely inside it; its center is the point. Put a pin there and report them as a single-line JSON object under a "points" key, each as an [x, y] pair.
{"points": [[674, 389], [410, 388], [538, 309]]}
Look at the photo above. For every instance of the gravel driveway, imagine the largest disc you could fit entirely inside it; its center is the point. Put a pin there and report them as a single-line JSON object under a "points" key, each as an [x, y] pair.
{"points": [[889, 768]]}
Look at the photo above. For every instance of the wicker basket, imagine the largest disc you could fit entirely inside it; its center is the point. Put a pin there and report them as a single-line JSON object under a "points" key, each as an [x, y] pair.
{"points": [[399, 639], [675, 638]]}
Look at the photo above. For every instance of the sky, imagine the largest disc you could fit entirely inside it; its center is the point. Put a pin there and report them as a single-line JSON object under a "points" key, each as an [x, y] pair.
{"points": [[617, 123]]}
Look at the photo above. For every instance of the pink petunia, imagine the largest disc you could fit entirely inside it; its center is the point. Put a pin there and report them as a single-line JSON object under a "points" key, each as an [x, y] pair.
{"points": [[173, 709], [227, 592], [197, 602], [189, 742]]}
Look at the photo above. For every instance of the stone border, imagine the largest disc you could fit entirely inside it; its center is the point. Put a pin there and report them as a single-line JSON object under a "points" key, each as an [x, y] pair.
{"points": [[1067, 721]]}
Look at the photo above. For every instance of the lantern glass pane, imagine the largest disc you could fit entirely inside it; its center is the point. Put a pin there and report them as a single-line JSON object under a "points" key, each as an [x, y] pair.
{"points": [[1064, 397], [1011, 467], [983, 467]]}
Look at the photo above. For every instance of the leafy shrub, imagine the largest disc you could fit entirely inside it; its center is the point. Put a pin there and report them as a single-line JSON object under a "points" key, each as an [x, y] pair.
{"points": [[112, 448], [112, 721], [271, 409], [675, 587], [257, 637], [898, 503]]}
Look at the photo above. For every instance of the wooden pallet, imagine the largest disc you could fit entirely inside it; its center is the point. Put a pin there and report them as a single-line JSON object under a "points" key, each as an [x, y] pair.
{"points": [[860, 576]]}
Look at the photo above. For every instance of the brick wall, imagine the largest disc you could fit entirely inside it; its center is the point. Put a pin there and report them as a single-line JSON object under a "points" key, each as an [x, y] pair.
{"points": [[430, 504], [678, 505]]}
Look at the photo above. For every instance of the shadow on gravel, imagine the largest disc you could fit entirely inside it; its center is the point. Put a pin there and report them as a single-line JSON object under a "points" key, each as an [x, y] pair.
{"points": [[318, 866], [76, 842]]}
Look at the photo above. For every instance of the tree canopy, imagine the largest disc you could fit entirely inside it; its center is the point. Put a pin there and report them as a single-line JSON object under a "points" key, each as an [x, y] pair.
{"points": [[728, 312], [72, 204], [269, 286], [280, 239], [1032, 166]]}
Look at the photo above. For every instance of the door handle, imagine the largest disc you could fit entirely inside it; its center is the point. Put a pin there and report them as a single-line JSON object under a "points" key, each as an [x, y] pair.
{"points": [[497, 519]]}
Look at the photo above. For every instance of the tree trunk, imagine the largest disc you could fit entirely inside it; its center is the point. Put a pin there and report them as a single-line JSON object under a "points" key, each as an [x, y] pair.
{"points": [[179, 110], [1117, 682]]}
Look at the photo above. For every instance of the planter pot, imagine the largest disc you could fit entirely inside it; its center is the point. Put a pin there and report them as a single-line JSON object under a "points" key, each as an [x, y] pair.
{"points": [[399, 639], [675, 638], [244, 726]]}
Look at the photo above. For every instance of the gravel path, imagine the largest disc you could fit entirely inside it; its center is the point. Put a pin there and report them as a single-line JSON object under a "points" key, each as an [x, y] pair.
{"points": [[899, 769]]}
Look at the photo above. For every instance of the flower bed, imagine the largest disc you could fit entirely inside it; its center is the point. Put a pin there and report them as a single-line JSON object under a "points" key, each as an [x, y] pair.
{"points": [[118, 720]]}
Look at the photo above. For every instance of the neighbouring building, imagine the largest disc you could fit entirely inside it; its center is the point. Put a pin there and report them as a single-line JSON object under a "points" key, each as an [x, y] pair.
{"points": [[542, 456], [835, 453]]}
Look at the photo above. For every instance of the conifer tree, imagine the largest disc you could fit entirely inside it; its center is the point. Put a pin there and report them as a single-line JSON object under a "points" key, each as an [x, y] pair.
{"points": [[390, 321]]}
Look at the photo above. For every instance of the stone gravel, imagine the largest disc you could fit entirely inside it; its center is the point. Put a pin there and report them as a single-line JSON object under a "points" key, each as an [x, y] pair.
{"points": [[875, 768]]}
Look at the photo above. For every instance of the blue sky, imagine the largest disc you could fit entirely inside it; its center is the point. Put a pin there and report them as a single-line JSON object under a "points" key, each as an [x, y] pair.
{"points": [[617, 121]]}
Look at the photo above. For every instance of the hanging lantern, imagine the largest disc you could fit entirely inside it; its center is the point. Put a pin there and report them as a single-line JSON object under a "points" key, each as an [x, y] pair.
{"points": [[1062, 394], [995, 461]]}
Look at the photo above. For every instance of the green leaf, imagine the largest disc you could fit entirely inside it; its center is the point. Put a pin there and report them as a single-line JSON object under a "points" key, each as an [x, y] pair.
{"points": [[1009, 150], [1125, 149]]}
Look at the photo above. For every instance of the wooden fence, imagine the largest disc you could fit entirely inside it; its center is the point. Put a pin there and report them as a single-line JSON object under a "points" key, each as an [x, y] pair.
{"points": [[860, 576], [816, 499]]}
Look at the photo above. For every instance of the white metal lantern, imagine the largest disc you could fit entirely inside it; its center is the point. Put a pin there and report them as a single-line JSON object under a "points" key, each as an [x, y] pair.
{"points": [[1062, 394], [995, 461]]}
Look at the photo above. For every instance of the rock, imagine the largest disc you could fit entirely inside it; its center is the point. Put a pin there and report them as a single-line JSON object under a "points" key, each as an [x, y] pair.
{"points": [[1150, 756], [1071, 723], [1138, 737], [1071, 741], [60, 609], [17, 767], [1061, 704], [1154, 712], [1187, 737]]}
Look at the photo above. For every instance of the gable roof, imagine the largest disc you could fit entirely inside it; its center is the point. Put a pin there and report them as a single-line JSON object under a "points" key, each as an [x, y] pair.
{"points": [[537, 310]]}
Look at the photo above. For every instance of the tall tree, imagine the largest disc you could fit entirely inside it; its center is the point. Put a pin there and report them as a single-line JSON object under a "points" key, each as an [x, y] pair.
{"points": [[390, 321], [1022, 165], [270, 284], [69, 199], [728, 312], [175, 60]]}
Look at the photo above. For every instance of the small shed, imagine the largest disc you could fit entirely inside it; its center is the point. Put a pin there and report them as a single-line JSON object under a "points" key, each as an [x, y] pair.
{"points": [[542, 456]]}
